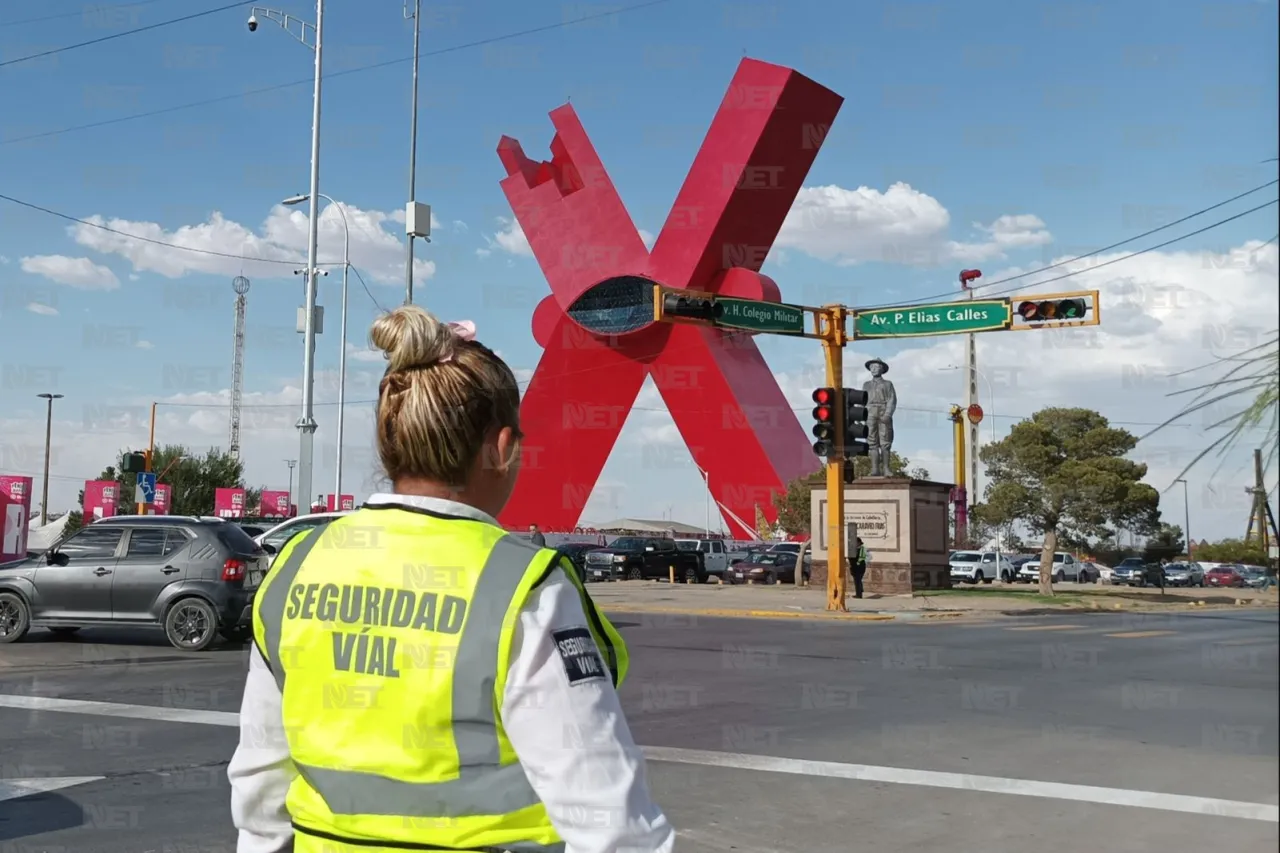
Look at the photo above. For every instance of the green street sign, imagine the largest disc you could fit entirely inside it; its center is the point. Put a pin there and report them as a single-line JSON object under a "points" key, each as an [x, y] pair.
{"points": [[754, 315], [942, 318]]}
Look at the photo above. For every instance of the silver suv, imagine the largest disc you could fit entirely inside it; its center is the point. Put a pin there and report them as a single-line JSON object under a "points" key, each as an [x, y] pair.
{"points": [[193, 577]]}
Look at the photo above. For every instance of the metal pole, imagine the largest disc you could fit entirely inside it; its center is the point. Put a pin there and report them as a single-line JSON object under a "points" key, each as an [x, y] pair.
{"points": [[413, 150], [837, 568], [290, 463], [48, 445], [1186, 517], [307, 423], [342, 356]]}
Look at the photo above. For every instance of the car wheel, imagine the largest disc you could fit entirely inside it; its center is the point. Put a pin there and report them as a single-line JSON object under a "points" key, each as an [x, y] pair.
{"points": [[977, 577], [1060, 577], [15, 617], [190, 624], [770, 579], [691, 576], [62, 631], [635, 575]]}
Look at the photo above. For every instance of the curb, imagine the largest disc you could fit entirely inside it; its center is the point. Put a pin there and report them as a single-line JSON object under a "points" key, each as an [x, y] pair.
{"points": [[755, 614]]}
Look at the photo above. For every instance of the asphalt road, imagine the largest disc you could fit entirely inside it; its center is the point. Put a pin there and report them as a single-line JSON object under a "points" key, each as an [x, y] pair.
{"points": [[1176, 705]]}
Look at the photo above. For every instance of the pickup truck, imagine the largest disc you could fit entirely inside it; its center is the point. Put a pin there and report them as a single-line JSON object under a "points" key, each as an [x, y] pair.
{"points": [[644, 558], [712, 553]]}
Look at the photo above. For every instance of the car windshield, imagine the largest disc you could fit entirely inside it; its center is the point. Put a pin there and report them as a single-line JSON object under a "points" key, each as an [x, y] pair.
{"points": [[1130, 563], [966, 557], [627, 543], [1177, 567], [686, 545], [766, 559]]}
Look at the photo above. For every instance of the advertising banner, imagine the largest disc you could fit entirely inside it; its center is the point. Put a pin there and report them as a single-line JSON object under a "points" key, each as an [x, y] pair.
{"points": [[15, 507], [228, 503], [274, 505], [348, 502], [100, 498], [164, 499]]}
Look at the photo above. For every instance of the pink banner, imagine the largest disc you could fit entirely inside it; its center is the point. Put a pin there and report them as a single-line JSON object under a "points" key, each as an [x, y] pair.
{"points": [[348, 502], [274, 505], [228, 503], [164, 499], [100, 497], [15, 510]]}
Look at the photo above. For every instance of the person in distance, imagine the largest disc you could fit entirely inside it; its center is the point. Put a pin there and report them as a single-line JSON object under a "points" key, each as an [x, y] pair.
{"points": [[420, 678]]}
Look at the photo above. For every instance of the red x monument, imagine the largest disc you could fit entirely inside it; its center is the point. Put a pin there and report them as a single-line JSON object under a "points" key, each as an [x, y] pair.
{"points": [[597, 327]]}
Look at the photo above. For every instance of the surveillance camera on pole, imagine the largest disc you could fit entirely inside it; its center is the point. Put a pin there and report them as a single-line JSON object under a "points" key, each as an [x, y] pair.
{"points": [[253, 23]]}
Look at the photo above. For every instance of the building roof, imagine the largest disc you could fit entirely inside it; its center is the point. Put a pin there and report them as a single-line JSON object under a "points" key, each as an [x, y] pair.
{"points": [[641, 525]]}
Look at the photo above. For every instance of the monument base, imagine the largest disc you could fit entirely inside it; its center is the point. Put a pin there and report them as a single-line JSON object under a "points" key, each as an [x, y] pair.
{"points": [[904, 525]]}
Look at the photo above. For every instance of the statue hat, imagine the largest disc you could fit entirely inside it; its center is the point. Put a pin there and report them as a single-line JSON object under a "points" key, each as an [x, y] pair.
{"points": [[879, 362]]}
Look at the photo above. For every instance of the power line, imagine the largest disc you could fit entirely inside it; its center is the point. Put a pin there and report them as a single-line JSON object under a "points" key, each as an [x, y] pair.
{"points": [[367, 291], [360, 69], [56, 50], [79, 13], [1059, 264]]}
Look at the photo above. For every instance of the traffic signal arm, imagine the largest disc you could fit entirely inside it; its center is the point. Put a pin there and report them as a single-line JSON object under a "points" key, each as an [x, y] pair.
{"points": [[1057, 310]]}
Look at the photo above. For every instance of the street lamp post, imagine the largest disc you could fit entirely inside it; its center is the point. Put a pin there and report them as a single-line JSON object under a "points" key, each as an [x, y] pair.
{"points": [[1186, 517], [291, 463], [706, 481], [342, 355], [48, 436], [991, 404], [307, 423], [413, 146]]}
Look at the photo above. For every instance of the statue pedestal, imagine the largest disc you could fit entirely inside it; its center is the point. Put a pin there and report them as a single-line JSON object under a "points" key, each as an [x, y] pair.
{"points": [[904, 526]]}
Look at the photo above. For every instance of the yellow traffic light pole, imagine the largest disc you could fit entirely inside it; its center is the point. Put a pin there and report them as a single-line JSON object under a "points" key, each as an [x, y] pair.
{"points": [[829, 322], [962, 491]]}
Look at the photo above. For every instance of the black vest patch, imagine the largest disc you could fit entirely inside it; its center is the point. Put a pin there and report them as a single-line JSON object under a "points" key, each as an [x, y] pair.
{"points": [[580, 655]]}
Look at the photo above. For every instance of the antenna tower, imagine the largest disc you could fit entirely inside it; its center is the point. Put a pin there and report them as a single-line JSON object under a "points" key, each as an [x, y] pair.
{"points": [[240, 285]]}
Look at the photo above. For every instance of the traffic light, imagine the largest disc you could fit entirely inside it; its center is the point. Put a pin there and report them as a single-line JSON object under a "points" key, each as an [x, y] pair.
{"points": [[855, 423], [1052, 309], [135, 463], [824, 422], [691, 307]]}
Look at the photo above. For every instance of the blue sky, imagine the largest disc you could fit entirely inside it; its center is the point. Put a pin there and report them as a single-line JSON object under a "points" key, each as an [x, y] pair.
{"points": [[1101, 121]]}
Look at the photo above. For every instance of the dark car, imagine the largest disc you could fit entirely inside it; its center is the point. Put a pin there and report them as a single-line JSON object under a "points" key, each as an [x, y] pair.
{"points": [[769, 568], [646, 558], [193, 577], [576, 553], [1132, 571]]}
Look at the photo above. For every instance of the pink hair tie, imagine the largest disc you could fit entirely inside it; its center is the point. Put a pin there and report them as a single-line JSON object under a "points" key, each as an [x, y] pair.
{"points": [[465, 331]]}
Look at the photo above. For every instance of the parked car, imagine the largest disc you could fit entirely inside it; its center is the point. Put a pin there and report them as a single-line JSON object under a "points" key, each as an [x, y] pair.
{"points": [[715, 559], [980, 567], [576, 553], [1065, 568], [1228, 576], [1128, 570], [769, 567], [646, 558], [1256, 577], [193, 577], [1091, 572], [1183, 574], [802, 550], [277, 537]]}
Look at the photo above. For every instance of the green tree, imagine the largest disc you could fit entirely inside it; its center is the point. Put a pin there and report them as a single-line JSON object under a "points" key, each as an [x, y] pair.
{"points": [[1063, 473], [1232, 551], [1165, 544], [794, 506], [193, 479]]}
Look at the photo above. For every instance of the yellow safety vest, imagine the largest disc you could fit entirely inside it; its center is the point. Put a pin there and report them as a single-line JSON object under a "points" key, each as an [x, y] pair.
{"points": [[389, 632]]}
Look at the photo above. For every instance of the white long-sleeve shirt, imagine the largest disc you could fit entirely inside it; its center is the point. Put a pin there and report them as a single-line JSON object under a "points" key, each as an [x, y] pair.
{"points": [[596, 794]]}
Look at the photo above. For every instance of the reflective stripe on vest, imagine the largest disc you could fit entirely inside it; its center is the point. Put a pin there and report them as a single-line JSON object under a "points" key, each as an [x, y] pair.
{"points": [[484, 785]]}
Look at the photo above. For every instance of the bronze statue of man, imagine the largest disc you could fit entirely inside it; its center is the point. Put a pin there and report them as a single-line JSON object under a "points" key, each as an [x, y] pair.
{"points": [[882, 402]]}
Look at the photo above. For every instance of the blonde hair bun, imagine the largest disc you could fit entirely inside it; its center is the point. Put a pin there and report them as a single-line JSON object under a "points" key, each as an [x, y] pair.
{"points": [[411, 337]]}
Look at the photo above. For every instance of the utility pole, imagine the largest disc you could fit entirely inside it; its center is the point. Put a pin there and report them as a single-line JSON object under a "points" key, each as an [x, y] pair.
{"points": [[48, 437], [410, 230], [831, 327], [971, 384], [151, 451], [1260, 511], [291, 463]]}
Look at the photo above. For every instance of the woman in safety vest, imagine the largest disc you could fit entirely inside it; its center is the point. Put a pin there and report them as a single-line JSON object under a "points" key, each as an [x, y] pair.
{"points": [[420, 678]]}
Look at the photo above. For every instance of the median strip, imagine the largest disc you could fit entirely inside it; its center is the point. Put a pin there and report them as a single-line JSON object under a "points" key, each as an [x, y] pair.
{"points": [[750, 614]]}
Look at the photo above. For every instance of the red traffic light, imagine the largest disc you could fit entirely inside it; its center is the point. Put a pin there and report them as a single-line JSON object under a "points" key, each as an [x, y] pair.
{"points": [[822, 413], [824, 396]]}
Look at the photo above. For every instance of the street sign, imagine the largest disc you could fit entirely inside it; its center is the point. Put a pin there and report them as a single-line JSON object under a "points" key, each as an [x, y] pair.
{"points": [[942, 318], [146, 487], [754, 315], [975, 414]]}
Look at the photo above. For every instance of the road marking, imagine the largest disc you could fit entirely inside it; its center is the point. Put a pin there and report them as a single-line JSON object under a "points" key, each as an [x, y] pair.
{"points": [[1046, 628], [1250, 642], [764, 763], [13, 789], [1139, 635], [112, 709], [967, 782]]}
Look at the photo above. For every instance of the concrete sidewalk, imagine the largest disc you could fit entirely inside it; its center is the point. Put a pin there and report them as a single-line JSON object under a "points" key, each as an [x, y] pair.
{"points": [[787, 602]]}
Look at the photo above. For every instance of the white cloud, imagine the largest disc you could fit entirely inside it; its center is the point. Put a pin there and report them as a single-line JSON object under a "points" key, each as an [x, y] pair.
{"points": [[145, 345], [900, 225], [366, 354], [80, 273], [281, 241], [42, 309], [3, 260], [509, 238]]}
